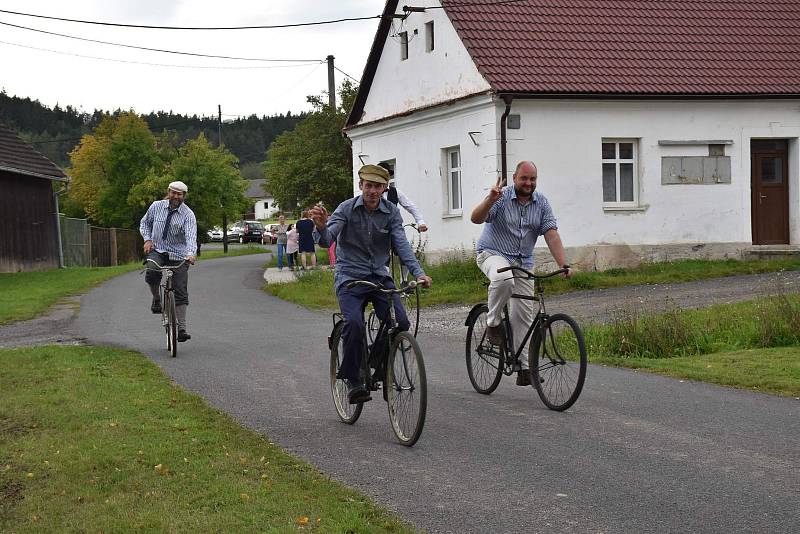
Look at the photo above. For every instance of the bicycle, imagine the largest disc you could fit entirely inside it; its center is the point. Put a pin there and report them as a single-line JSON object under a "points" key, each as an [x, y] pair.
{"points": [[166, 292], [392, 362], [400, 277], [557, 354]]}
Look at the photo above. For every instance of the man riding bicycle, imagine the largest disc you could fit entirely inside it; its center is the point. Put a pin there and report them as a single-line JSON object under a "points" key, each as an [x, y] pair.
{"points": [[515, 217], [169, 229], [364, 229]]}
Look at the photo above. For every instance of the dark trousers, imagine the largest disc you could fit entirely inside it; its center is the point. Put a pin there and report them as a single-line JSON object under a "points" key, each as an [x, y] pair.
{"points": [[180, 278], [352, 303]]}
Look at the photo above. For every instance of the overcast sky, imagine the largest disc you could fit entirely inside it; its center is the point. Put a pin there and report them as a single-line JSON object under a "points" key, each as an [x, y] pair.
{"points": [[61, 76]]}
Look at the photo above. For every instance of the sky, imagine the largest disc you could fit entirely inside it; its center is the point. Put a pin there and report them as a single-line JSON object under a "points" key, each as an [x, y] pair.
{"points": [[55, 69]]}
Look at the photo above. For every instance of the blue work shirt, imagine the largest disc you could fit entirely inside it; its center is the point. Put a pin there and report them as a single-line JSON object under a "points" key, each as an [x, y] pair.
{"points": [[363, 240], [511, 228], [181, 240]]}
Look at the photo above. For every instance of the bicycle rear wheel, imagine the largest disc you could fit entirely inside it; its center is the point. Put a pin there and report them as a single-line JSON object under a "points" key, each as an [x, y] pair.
{"points": [[172, 325], [406, 388], [348, 413], [558, 362], [484, 360]]}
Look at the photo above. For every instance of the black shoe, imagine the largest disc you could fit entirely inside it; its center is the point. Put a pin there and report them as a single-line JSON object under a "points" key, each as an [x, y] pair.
{"points": [[495, 334], [523, 377], [356, 392], [183, 335], [155, 307]]}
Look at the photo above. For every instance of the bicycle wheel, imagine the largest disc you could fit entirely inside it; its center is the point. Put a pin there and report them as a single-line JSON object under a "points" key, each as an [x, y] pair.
{"points": [[406, 388], [557, 360], [411, 303], [373, 324], [165, 315], [484, 360], [348, 413], [172, 328]]}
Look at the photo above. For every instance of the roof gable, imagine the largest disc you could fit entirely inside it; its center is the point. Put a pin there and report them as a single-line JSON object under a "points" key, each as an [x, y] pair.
{"points": [[18, 157], [633, 47]]}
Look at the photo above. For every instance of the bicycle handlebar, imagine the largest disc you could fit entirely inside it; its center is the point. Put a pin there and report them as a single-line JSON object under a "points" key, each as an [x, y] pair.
{"points": [[412, 284], [530, 274], [164, 268]]}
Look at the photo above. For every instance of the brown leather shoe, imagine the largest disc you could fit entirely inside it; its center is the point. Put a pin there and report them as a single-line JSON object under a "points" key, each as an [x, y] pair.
{"points": [[495, 334], [523, 377]]}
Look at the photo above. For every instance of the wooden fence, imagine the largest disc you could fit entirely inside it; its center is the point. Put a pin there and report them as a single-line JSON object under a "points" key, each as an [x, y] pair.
{"points": [[86, 245]]}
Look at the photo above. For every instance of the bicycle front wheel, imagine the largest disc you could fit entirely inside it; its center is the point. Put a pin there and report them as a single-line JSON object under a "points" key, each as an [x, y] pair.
{"points": [[484, 360], [373, 325], [406, 388], [348, 413], [172, 325], [411, 303], [558, 362]]}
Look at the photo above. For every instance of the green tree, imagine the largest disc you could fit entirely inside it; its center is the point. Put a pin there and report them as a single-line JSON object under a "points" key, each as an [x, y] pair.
{"points": [[216, 187], [313, 162], [120, 153]]}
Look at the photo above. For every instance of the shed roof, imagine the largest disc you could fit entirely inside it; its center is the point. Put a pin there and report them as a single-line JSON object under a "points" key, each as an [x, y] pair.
{"points": [[18, 157], [255, 189]]}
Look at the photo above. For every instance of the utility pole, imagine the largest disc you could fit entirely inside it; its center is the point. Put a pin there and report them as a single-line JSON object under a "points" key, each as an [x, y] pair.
{"points": [[224, 213], [331, 85]]}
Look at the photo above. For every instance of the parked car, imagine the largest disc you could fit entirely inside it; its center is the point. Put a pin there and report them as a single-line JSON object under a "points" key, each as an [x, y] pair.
{"points": [[270, 235], [248, 231], [215, 234]]}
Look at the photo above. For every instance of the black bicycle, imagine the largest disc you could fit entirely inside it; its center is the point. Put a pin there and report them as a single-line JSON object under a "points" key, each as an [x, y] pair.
{"points": [[556, 357], [401, 276], [167, 293], [392, 362]]}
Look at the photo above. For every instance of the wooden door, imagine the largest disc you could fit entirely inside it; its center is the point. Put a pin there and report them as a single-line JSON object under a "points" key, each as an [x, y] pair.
{"points": [[769, 191]]}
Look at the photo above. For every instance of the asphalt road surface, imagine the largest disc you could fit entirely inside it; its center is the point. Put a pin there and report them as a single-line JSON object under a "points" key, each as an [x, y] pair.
{"points": [[637, 453]]}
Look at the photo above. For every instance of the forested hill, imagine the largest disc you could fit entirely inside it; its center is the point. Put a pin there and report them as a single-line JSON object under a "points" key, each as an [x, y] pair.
{"points": [[55, 131]]}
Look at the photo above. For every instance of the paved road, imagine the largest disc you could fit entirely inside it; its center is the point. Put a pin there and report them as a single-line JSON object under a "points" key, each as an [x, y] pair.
{"points": [[637, 453]]}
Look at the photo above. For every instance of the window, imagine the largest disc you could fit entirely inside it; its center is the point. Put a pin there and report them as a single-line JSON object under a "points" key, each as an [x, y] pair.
{"points": [[266, 205], [403, 46], [429, 36], [453, 178], [620, 177]]}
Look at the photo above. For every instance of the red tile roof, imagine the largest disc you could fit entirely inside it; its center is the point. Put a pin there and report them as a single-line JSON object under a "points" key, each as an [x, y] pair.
{"points": [[633, 47], [18, 157]]}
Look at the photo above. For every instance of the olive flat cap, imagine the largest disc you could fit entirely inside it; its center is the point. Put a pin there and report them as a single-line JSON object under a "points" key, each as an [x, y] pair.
{"points": [[374, 173]]}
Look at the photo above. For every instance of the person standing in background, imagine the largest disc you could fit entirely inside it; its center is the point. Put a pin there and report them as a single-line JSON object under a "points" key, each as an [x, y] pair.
{"points": [[305, 233], [291, 246]]}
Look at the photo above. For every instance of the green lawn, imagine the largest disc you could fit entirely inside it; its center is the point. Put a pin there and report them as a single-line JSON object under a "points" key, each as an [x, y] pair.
{"points": [[99, 440], [26, 295], [459, 281]]}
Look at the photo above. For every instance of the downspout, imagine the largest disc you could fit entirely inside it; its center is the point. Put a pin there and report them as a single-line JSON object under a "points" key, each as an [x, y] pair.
{"points": [[57, 194], [503, 141]]}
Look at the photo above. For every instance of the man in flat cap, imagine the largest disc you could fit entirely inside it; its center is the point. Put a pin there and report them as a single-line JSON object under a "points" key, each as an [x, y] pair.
{"points": [[169, 229], [365, 229]]}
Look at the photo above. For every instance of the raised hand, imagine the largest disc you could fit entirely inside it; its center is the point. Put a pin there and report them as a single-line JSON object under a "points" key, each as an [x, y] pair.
{"points": [[497, 190], [319, 215]]}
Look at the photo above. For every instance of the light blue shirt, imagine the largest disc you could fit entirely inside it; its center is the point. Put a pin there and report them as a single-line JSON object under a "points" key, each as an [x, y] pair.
{"points": [[181, 240], [363, 240], [511, 228]]}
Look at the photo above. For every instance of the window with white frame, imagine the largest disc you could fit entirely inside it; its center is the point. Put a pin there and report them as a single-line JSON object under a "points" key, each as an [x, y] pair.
{"points": [[620, 175], [453, 179]]}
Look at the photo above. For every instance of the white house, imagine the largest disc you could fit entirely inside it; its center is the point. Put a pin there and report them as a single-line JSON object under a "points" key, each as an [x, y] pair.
{"points": [[660, 130], [264, 205]]}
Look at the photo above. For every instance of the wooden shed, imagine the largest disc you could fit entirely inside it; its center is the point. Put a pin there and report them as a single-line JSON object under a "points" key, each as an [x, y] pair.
{"points": [[28, 216]]}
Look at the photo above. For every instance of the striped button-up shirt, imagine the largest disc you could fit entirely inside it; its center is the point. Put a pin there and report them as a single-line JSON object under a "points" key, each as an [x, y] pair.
{"points": [[181, 240], [511, 228], [363, 239]]}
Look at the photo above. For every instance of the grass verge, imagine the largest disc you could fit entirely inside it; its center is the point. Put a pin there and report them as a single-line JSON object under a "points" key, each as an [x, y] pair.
{"points": [[459, 281], [26, 295], [98, 439]]}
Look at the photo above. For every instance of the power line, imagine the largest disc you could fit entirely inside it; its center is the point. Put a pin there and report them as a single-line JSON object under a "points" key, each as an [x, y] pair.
{"points": [[145, 26], [155, 49], [213, 67], [343, 72]]}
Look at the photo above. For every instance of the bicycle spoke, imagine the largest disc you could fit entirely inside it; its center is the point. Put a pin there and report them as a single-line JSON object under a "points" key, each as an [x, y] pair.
{"points": [[558, 360], [406, 393]]}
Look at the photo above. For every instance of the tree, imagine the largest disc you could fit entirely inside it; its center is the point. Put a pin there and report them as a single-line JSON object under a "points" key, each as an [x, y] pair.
{"points": [[313, 162], [216, 187], [105, 166]]}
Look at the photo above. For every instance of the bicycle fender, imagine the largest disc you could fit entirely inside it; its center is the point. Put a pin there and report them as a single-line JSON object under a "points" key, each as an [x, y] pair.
{"points": [[330, 336], [476, 309]]}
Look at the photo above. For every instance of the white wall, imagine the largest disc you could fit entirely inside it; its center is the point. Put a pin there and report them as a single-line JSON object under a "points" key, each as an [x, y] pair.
{"points": [[265, 213], [564, 139], [425, 78]]}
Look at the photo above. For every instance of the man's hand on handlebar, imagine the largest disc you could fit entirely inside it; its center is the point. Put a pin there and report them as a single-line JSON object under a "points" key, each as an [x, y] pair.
{"points": [[425, 281], [148, 246], [190, 259]]}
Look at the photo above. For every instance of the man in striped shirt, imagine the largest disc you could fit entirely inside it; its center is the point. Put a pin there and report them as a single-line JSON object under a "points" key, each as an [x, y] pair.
{"points": [[169, 229], [515, 217]]}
